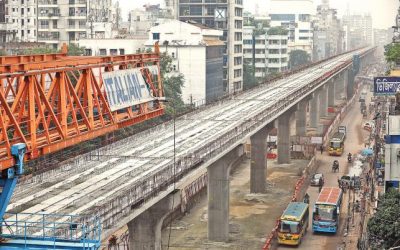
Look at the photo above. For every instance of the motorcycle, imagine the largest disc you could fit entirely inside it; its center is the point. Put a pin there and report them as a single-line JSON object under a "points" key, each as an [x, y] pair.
{"points": [[349, 159], [335, 166]]}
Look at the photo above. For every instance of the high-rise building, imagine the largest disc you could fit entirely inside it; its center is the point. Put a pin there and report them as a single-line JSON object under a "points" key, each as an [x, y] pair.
{"points": [[226, 15], [360, 32], [327, 32], [295, 16]]}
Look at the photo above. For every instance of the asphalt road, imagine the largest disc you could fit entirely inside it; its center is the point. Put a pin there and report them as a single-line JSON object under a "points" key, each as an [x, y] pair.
{"points": [[353, 144]]}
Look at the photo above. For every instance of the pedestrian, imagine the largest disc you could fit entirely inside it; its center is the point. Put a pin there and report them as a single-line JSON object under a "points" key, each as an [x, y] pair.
{"points": [[338, 181], [320, 185], [322, 149]]}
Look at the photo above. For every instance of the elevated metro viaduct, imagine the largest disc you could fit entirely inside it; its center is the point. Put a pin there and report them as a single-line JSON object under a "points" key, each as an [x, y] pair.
{"points": [[134, 181]]}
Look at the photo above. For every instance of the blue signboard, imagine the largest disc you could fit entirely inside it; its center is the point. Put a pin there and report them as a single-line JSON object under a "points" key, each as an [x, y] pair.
{"points": [[386, 85]]}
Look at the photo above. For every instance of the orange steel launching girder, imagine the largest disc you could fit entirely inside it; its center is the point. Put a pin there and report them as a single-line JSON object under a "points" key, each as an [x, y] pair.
{"points": [[50, 102]]}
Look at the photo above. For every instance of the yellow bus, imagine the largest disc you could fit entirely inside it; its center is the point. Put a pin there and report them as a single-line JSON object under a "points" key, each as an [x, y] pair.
{"points": [[293, 224], [336, 144]]}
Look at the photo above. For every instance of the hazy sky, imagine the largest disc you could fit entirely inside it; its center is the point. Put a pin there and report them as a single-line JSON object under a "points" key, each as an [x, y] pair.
{"points": [[383, 11]]}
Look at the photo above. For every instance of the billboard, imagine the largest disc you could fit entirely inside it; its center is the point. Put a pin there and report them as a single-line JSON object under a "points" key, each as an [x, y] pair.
{"points": [[125, 88], [386, 85]]}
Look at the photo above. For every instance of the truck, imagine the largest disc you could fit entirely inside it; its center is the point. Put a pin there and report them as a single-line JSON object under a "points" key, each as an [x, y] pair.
{"points": [[336, 143]]}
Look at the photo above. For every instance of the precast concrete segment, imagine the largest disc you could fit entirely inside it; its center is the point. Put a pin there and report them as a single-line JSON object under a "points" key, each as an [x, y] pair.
{"points": [[284, 137], [218, 197], [314, 112], [115, 176], [301, 118], [331, 94], [145, 230], [323, 101], [258, 164]]}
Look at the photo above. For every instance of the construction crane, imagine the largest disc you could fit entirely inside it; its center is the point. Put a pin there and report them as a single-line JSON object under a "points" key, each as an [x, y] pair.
{"points": [[52, 101]]}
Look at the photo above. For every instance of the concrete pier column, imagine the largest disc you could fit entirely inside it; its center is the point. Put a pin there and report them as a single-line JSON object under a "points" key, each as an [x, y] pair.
{"points": [[301, 118], [350, 84], [218, 196], [314, 112], [284, 137], [323, 101], [331, 94], [145, 230], [345, 82], [338, 82], [258, 164]]}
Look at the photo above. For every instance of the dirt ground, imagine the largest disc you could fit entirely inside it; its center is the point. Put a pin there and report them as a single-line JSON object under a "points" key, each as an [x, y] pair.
{"points": [[252, 217]]}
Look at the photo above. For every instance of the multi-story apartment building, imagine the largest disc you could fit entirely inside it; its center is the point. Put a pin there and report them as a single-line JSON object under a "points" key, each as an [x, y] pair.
{"points": [[3, 28], [20, 20], [225, 15], [297, 19], [278, 57], [196, 52], [266, 50], [327, 32]]}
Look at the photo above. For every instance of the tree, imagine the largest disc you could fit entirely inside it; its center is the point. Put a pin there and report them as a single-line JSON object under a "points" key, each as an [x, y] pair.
{"points": [[298, 58], [249, 80], [277, 31], [39, 50], [74, 50], [173, 84], [384, 227], [392, 53], [2, 52]]}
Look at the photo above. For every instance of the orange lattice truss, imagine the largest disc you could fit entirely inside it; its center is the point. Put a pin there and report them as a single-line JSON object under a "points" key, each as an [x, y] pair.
{"points": [[50, 102]]}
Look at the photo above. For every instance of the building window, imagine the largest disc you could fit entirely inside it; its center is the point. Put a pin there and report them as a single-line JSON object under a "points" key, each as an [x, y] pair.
{"points": [[238, 36], [122, 52], [103, 52], [238, 24], [22, 11], [237, 61], [28, 10], [238, 48], [173, 54], [238, 12], [55, 24], [237, 73], [113, 52], [22, 22], [283, 17], [156, 36], [304, 17], [184, 11], [196, 10], [247, 41]]}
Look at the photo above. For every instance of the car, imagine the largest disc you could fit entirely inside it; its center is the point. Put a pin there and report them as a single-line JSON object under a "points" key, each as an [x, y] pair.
{"points": [[315, 179]]}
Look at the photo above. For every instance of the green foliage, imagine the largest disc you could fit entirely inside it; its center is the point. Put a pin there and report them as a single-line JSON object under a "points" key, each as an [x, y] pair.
{"points": [[392, 53], [298, 58], [172, 87], [384, 227], [2, 52], [74, 50], [40, 50], [259, 31], [249, 80], [277, 31]]}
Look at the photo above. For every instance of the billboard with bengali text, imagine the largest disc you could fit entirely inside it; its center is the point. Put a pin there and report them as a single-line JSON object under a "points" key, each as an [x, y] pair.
{"points": [[386, 85], [126, 88]]}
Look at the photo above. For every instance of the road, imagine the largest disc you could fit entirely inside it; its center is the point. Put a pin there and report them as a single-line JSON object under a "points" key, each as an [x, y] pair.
{"points": [[353, 144]]}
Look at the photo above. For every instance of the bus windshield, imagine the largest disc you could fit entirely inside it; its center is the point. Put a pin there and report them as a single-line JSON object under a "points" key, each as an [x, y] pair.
{"points": [[289, 227], [335, 144], [325, 212]]}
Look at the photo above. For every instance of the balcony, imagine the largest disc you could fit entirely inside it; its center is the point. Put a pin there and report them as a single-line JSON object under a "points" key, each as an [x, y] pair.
{"points": [[47, 3], [80, 3], [76, 28]]}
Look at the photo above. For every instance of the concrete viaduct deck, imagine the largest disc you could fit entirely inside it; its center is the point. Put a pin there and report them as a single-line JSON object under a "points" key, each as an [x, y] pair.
{"points": [[133, 180]]}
